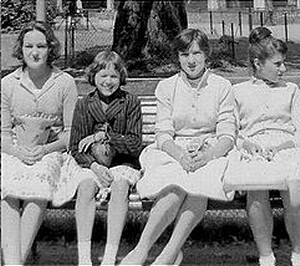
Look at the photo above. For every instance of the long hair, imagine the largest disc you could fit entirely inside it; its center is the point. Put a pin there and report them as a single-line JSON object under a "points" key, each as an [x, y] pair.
{"points": [[52, 42]]}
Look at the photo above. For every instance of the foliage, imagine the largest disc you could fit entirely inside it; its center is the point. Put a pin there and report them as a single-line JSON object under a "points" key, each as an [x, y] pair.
{"points": [[14, 13]]}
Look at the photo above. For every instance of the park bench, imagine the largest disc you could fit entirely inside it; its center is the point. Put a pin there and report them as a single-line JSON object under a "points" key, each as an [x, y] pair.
{"points": [[135, 203]]}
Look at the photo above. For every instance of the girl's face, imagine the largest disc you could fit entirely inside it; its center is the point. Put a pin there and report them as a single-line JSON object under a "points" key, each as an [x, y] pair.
{"points": [[35, 49], [107, 80], [272, 69], [192, 61]]}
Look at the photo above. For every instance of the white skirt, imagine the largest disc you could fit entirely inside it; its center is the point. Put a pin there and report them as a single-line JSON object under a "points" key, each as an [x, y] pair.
{"points": [[162, 171], [55, 178], [258, 173]]}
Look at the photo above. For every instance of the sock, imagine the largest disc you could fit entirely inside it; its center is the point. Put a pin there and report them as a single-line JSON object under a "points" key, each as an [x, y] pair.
{"points": [[295, 259], [267, 260], [110, 254], [84, 253]]}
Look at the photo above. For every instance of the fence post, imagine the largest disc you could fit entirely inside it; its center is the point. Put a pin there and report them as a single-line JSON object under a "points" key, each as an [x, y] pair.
{"points": [[66, 39], [72, 45], [223, 27], [240, 23], [286, 27], [261, 18], [211, 22], [250, 19], [232, 44]]}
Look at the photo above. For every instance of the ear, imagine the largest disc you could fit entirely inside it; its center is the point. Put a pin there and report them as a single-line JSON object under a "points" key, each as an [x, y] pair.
{"points": [[257, 63]]}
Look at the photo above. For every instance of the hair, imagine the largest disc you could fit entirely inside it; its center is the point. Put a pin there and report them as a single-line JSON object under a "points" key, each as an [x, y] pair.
{"points": [[52, 42], [184, 40], [104, 60], [263, 45]]}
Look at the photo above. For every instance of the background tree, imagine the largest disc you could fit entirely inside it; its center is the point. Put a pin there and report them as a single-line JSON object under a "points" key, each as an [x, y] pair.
{"points": [[144, 29]]}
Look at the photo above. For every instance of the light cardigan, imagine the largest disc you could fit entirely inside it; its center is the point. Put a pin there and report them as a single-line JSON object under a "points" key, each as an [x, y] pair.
{"points": [[261, 108], [183, 111], [58, 96]]}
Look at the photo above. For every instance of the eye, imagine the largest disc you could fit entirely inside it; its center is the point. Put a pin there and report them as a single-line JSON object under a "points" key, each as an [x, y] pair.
{"points": [[42, 46]]}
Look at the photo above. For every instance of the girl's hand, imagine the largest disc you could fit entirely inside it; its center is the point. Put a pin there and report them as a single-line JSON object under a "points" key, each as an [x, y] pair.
{"points": [[104, 175], [270, 152], [186, 161], [252, 148], [28, 155], [201, 159], [85, 143]]}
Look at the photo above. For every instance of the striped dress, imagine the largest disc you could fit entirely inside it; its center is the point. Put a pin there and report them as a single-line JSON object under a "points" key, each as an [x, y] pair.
{"points": [[124, 118]]}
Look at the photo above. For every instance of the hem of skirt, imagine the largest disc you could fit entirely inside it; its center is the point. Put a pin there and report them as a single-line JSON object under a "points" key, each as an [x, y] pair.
{"points": [[279, 186], [228, 195]]}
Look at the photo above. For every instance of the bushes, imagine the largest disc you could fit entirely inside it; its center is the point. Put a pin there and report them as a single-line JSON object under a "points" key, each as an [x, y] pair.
{"points": [[14, 13]]}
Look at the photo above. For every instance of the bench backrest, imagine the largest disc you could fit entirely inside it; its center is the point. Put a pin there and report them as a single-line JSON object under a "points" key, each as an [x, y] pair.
{"points": [[148, 104]]}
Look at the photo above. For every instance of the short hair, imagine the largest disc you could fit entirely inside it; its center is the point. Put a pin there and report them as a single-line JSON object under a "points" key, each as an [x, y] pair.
{"points": [[263, 45], [52, 42], [106, 59], [184, 40]]}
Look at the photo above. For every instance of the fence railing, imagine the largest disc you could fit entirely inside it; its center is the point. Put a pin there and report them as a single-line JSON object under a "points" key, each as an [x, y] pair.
{"points": [[92, 30]]}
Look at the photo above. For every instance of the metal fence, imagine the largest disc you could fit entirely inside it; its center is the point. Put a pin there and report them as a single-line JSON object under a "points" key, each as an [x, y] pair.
{"points": [[90, 30]]}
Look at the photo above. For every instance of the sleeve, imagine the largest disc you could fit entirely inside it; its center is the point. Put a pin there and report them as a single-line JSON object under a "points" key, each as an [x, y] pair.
{"points": [[131, 142], [164, 127], [295, 115], [226, 122], [69, 101], [81, 127], [6, 118]]}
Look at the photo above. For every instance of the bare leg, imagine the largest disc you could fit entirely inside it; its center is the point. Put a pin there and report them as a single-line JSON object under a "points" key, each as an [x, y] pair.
{"points": [[85, 215], [11, 231], [162, 214], [292, 221], [31, 221], [190, 214], [261, 222], [117, 210]]}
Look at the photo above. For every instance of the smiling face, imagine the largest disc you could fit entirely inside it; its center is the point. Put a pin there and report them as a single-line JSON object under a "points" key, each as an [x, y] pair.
{"points": [[192, 61], [35, 49], [272, 69], [107, 80]]}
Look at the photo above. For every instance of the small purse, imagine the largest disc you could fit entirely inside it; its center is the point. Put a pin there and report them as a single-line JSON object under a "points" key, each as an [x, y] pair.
{"points": [[102, 151]]}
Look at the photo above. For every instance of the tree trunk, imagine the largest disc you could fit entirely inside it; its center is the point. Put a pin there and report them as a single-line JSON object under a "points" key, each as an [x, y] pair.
{"points": [[130, 27], [147, 24], [41, 10], [168, 18]]}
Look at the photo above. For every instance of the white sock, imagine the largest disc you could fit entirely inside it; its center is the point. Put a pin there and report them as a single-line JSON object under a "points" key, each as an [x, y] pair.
{"points": [[295, 259], [267, 260], [84, 253], [110, 254]]}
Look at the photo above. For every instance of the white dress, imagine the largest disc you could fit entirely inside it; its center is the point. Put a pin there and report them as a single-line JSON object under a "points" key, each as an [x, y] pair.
{"points": [[269, 117], [30, 118], [186, 114]]}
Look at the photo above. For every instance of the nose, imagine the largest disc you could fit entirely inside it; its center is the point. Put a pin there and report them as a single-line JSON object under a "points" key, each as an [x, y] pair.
{"points": [[282, 68], [191, 58]]}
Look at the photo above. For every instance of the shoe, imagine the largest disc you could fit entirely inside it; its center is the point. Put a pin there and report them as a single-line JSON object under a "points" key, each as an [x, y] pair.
{"points": [[267, 260], [179, 258]]}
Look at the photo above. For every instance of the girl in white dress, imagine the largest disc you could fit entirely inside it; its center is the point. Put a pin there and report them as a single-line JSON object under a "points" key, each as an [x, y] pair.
{"points": [[269, 140], [195, 130], [37, 104]]}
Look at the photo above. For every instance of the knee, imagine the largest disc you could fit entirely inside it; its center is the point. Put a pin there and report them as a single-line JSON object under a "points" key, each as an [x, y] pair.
{"points": [[120, 185], [86, 189], [257, 198]]}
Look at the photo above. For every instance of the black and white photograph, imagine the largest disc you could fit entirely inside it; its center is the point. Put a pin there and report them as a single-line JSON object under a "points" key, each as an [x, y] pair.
{"points": [[150, 132]]}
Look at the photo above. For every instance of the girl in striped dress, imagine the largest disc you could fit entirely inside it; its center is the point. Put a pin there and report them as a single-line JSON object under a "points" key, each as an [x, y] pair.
{"points": [[106, 139]]}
